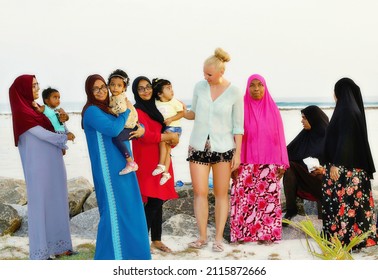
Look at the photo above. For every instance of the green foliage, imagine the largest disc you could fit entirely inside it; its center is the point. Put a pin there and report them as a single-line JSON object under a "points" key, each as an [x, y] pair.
{"points": [[330, 249], [85, 251]]}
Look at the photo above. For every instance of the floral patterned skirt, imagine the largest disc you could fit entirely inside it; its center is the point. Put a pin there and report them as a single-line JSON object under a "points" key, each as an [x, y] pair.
{"points": [[256, 213], [348, 206]]}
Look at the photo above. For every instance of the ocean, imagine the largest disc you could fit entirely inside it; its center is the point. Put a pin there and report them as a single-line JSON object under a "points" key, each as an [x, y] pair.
{"points": [[76, 107]]}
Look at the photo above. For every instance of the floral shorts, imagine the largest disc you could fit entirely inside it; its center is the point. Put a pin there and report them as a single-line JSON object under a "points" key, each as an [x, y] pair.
{"points": [[207, 156]]}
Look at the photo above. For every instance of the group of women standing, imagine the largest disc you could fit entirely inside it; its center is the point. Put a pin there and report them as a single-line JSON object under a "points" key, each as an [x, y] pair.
{"points": [[256, 155], [232, 137]]}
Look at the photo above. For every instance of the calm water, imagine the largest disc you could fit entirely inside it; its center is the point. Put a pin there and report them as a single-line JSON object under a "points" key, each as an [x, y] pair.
{"points": [[76, 107]]}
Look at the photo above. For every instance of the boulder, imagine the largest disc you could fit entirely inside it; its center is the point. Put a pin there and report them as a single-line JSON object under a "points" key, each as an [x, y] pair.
{"points": [[22, 211], [78, 190], [184, 225], [91, 202], [184, 204], [85, 224], [10, 221], [12, 191]]}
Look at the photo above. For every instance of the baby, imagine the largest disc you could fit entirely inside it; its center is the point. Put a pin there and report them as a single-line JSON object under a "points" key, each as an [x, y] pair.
{"points": [[172, 111], [118, 82], [56, 115]]}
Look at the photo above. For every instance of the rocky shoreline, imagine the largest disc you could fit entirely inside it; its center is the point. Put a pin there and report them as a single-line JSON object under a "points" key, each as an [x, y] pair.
{"points": [[179, 220]]}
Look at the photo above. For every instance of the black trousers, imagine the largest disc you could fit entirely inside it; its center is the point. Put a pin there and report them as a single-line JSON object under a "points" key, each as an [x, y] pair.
{"points": [[154, 216], [298, 182]]}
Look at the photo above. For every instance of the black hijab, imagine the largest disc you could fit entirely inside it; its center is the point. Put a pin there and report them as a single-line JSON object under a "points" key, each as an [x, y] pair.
{"points": [[147, 106], [309, 143], [346, 140]]}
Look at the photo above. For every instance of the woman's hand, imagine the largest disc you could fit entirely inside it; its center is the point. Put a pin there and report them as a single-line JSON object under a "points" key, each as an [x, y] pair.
{"points": [[280, 173], [70, 136], [235, 162], [137, 133], [173, 139], [63, 116], [318, 171], [334, 173]]}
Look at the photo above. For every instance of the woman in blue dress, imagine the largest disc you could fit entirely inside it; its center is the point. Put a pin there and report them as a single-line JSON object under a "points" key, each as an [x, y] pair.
{"points": [[122, 230]]}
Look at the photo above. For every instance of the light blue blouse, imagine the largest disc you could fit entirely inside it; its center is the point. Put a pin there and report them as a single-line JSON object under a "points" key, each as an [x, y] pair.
{"points": [[220, 119]]}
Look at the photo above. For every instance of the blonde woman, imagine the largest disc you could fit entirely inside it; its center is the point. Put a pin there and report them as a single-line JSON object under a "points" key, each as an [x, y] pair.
{"points": [[215, 144]]}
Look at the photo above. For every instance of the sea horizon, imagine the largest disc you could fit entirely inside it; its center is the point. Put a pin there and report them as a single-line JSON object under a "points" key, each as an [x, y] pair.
{"points": [[76, 107]]}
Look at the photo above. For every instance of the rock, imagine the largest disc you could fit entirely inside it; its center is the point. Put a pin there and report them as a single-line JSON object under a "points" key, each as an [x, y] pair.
{"points": [[91, 202], [22, 211], [290, 232], [12, 191], [184, 204], [184, 225], [78, 191], [85, 224], [10, 221]]}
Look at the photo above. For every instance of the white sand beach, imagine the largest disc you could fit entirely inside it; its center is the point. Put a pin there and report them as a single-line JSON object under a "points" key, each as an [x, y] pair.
{"points": [[77, 164]]}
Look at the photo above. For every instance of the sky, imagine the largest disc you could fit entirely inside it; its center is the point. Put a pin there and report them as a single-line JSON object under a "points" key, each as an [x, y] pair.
{"points": [[301, 47]]}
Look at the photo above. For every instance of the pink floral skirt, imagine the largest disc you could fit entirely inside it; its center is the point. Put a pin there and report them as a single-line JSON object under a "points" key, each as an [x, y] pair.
{"points": [[256, 213]]}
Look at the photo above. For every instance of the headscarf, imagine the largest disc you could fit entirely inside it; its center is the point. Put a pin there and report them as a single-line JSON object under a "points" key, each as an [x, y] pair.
{"points": [[346, 140], [91, 99], [264, 139], [24, 116], [309, 143], [147, 106]]}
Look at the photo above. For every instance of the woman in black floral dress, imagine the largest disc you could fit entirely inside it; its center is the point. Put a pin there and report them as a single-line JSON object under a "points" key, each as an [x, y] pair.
{"points": [[347, 202]]}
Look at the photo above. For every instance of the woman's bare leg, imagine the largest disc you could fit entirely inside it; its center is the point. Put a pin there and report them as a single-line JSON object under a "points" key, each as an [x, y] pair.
{"points": [[200, 180], [221, 180]]}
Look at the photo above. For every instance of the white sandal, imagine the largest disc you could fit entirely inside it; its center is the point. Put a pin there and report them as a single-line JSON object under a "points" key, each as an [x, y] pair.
{"points": [[164, 178], [158, 170]]}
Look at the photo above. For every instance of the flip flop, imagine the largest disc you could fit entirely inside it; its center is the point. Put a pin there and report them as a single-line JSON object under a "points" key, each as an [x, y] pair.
{"points": [[218, 246], [198, 244]]}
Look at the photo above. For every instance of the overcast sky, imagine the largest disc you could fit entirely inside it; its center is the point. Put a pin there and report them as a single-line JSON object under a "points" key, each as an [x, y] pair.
{"points": [[301, 47]]}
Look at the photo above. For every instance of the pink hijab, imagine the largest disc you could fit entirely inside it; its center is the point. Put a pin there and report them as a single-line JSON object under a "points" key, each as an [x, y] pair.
{"points": [[264, 138]]}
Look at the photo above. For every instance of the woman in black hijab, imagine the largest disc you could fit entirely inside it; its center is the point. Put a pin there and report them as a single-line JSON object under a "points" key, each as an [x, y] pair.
{"points": [[297, 180], [347, 203], [146, 153]]}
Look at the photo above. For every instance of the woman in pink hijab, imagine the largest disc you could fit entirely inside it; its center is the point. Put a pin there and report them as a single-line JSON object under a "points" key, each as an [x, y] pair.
{"points": [[255, 195]]}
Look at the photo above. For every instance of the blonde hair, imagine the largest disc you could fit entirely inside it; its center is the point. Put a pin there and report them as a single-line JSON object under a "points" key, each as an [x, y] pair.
{"points": [[218, 59]]}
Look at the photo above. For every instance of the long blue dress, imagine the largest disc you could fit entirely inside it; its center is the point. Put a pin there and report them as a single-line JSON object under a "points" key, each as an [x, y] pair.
{"points": [[122, 230], [46, 184]]}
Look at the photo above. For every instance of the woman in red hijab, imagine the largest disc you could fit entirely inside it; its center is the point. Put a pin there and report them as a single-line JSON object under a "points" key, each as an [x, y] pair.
{"points": [[44, 170]]}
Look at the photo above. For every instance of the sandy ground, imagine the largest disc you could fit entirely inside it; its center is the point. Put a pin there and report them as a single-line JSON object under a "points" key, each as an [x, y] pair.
{"points": [[77, 164]]}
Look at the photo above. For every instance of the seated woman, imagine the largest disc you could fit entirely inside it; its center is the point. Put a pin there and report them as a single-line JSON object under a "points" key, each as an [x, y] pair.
{"points": [[297, 180]]}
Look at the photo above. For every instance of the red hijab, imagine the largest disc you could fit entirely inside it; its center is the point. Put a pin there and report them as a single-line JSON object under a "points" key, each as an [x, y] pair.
{"points": [[91, 99], [23, 115]]}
